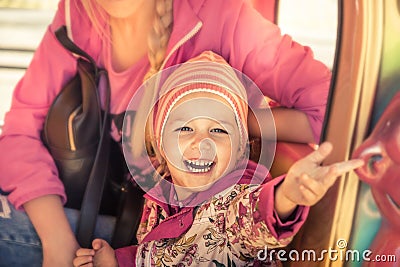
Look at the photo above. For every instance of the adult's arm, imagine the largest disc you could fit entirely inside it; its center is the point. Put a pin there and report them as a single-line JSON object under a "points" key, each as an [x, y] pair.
{"points": [[289, 124], [58, 241], [28, 172], [27, 169], [284, 70]]}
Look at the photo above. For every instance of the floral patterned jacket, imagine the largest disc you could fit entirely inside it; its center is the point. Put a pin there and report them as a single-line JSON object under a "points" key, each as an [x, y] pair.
{"points": [[229, 228]]}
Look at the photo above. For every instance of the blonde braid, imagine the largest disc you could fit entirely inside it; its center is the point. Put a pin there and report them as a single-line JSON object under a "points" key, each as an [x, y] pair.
{"points": [[159, 36], [157, 45]]}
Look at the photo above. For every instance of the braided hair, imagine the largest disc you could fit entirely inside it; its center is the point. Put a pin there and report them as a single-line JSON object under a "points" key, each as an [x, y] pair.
{"points": [[157, 46]]}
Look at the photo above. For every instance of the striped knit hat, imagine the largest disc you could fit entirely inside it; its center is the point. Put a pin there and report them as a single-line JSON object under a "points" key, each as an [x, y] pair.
{"points": [[210, 73]]}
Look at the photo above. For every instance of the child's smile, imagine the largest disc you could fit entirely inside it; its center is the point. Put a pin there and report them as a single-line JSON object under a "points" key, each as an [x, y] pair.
{"points": [[199, 166]]}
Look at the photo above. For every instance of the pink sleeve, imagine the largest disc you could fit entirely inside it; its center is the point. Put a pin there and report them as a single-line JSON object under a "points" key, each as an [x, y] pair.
{"points": [[126, 256], [27, 169], [284, 70], [279, 229]]}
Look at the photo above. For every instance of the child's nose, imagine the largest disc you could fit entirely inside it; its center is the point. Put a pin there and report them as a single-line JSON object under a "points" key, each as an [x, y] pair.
{"points": [[205, 146]]}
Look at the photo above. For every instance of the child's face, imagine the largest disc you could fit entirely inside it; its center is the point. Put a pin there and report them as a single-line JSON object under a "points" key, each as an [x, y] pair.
{"points": [[201, 141]]}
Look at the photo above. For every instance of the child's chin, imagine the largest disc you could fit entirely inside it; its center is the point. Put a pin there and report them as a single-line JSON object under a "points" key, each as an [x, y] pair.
{"points": [[200, 188]]}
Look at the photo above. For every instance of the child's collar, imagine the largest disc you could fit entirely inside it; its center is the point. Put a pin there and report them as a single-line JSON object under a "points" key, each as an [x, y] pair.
{"points": [[248, 172]]}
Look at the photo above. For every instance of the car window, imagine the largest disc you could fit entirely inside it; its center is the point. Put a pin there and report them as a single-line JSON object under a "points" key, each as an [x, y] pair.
{"points": [[313, 23]]}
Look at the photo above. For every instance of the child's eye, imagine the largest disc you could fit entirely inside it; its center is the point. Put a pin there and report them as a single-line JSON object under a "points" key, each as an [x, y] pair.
{"points": [[184, 129], [219, 130]]}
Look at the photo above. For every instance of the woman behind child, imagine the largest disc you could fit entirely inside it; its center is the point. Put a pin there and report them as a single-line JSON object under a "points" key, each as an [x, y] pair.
{"points": [[212, 205], [133, 39]]}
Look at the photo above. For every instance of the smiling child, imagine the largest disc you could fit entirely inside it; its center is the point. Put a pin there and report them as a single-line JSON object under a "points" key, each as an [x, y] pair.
{"points": [[213, 206]]}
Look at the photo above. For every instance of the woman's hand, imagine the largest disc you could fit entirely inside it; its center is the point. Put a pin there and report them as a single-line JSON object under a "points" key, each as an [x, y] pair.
{"points": [[58, 240], [307, 181], [101, 255]]}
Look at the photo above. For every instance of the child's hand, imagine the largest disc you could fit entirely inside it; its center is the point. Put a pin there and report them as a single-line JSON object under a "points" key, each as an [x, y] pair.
{"points": [[102, 254], [307, 182]]}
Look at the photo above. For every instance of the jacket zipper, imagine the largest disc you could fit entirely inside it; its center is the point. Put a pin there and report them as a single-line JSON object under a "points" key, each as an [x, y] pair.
{"points": [[189, 35]]}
